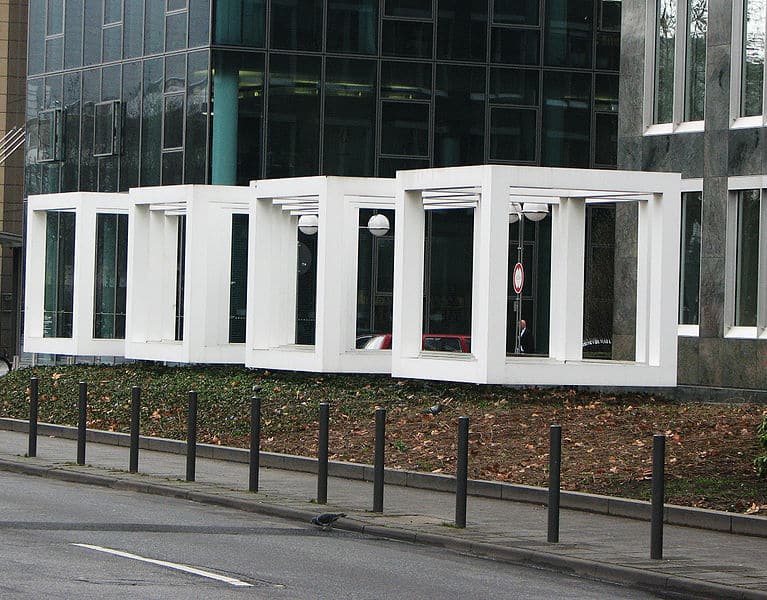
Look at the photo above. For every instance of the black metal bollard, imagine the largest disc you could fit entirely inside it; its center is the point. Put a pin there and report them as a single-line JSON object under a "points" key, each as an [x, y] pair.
{"points": [[555, 468], [658, 496], [135, 415], [322, 458], [191, 436], [33, 407], [82, 405], [378, 468], [462, 472], [255, 443]]}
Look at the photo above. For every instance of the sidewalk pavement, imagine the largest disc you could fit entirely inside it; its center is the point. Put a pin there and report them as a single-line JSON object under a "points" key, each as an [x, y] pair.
{"points": [[696, 564]]}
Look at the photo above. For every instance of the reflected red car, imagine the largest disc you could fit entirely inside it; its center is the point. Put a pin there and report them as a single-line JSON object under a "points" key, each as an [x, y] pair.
{"points": [[447, 342]]}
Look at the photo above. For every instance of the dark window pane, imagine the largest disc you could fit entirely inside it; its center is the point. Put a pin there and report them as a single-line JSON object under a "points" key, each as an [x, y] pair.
{"points": [[54, 54], [238, 290], [306, 289], [569, 29], [297, 24], [608, 51], [88, 163], [448, 266], [566, 119], [406, 80], [151, 125], [515, 46], [173, 123], [419, 9], [176, 5], [106, 137], [110, 276], [375, 273], [462, 30], [352, 26], [55, 17], [405, 128], [294, 114], [606, 93], [610, 15], [175, 73], [129, 159], [747, 259], [49, 135], [514, 86], [752, 78], [599, 282], [512, 134], [195, 150], [407, 38], [350, 118], [133, 29], [689, 263], [154, 26], [172, 167], [175, 31], [695, 60], [199, 20], [112, 43], [516, 12], [110, 82], [665, 50], [388, 167], [180, 275], [58, 302], [36, 35], [606, 139], [92, 38], [73, 35], [71, 132], [240, 23], [113, 12], [459, 116]]}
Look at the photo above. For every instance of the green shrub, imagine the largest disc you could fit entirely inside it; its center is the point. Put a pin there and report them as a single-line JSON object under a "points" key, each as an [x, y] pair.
{"points": [[761, 461]]}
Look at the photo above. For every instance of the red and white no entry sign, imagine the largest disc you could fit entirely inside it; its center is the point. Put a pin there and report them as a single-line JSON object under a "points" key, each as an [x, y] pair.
{"points": [[519, 278]]}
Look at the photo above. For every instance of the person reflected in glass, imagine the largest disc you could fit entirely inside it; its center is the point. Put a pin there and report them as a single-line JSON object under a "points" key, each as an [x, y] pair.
{"points": [[526, 342]]}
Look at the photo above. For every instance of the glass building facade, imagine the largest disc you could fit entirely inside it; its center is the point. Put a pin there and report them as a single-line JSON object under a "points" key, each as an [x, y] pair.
{"points": [[127, 93]]}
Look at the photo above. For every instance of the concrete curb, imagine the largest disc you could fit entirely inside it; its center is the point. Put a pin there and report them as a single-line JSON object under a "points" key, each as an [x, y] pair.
{"points": [[595, 570], [699, 518]]}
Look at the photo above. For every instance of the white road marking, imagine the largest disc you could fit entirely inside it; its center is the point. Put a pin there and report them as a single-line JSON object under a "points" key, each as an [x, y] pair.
{"points": [[170, 565]]}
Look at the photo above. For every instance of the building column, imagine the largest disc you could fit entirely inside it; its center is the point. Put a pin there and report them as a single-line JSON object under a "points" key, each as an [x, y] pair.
{"points": [[226, 86]]}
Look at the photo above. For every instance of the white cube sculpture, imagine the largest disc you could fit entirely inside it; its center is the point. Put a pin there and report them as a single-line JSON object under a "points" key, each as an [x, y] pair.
{"points": [[271, 327], [492, 190], [85, 206], [152, 252]]}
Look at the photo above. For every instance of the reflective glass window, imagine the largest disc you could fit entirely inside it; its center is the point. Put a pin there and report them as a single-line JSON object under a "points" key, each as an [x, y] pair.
{"points": [[173, 121], [406, 80], [752, 83], [606, 139], [689, 263], [151, 123], [515, 12], [352, 26], [71, 132], [195, 150], [241, 23], [173, 167], [569, 33], [404, 128], [515, 46], [695, 60], [112, 38], [133, 29], [58, 302], [665, 42], [88, 163], [131, 133], [459, 116], [55, 21], [110, 276], [176, 5], [606, 92], [199, 21], [566, 119], [608, 55], [297, 25], [306, 289], [175, 31], [294, 114], [610, 15], [154, 26], [36, 36], [107, 128], [113, 11], [514, 86], [180, 274], [54, 53], [349, 136], [375, 278], [407, 38], [513, 134], [417, 9], [388, 167], [92, 19], [73, 34], [49, 135], [238, 290], [462, 30], [747, 258]]}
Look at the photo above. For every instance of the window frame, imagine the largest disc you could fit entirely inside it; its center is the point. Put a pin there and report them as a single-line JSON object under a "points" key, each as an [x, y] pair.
{"points": [[54, 142], [116, 127], [759, 331], [736, 72], [677, 124], [689, 186]]}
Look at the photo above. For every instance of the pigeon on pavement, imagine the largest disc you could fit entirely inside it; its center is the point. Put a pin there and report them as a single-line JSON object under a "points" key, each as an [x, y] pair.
{"points": [[433, 410], [326, 520]]}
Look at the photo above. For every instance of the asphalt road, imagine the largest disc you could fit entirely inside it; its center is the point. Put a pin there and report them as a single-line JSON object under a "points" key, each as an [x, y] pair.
{"points": [[238, 555]]}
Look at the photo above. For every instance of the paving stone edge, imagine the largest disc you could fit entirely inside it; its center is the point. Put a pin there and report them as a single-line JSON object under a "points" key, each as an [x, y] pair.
{"points": [[652, 581], [610, 505]]}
